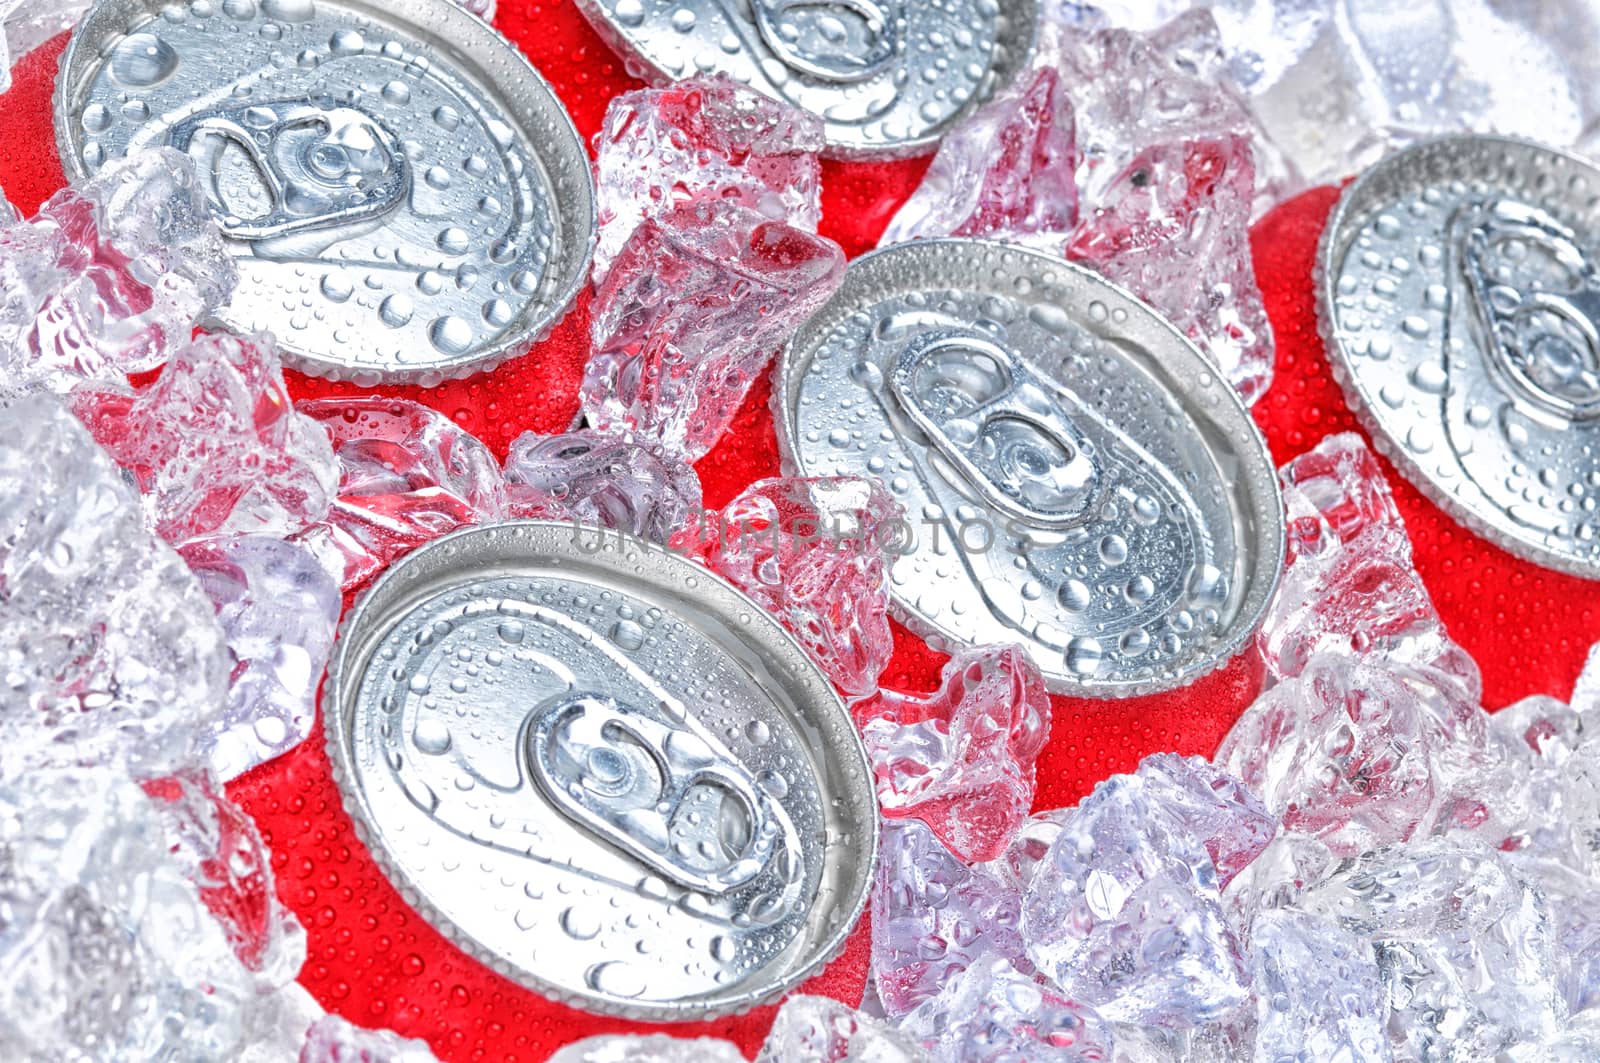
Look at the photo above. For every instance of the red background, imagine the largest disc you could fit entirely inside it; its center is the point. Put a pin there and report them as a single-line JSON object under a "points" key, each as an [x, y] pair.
{"points": [[374, 961]]}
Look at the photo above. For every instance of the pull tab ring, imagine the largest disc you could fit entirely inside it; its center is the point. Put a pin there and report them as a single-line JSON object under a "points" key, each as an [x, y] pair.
{"points": [[1542, 337], [668, 797], [313, 167], [833, 40], [999, 426]]}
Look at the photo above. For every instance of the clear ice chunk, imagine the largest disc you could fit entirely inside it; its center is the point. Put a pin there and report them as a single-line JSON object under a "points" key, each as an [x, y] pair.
{"points": [[1173, 226], [1380, 76], [279, 609], [109, 649], [110, 278], [332, 1039], [407, 475], [1361, 754], [1464, 944], [1219, 810], [821, 1030], [220, 851], [699, 301], [215, 443], [1350, 585], [932, 917], [992, 1012], [601, 481], [962, 759], [648, 1048], [1318, 991], [1124, 913], [813, 553], [1007, 172], [703, 140], [108, 950]]}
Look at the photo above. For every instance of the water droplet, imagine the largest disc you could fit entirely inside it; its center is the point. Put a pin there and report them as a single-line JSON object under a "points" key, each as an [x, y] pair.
{"points": [[143, 60], [614, 978], [773, 783], [337, 287], [96, 118], [512, 631], [451, 334], [447, 118], [289, 10], [580, 924], [453, 241], [497, 312], [1139, 590], [431, 737], [758, 732], [1083, 655], [397, 93], [1073, 596], [629, 12], [136, 110], [627, 634], [683, 20], [396, 311], [419, 684], [243, 10], [1113, 550], [347, 42]]}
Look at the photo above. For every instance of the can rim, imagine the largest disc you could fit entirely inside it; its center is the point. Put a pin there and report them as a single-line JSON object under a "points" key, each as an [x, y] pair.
{"points": [[1026, 12], [1270, 544], [1332, 246], [348, 664], [470, 36]]}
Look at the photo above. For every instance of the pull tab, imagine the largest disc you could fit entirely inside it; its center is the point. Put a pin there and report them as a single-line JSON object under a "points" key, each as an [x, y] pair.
{"points": [[834, 40], [998, 424], [1538, 297], [668, 797], [278, 169]]}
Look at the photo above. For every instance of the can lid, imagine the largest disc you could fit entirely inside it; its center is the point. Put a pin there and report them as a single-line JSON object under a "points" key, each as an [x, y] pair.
{"points": [[1075, 475], [887, 77], [602, 771], [1460, 303], [406, 197]]}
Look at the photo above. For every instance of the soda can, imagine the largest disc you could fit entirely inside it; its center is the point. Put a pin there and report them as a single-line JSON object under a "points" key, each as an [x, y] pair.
{"points": [[1460, 303], [407, 199], [601, 771], [887, 77], [1076, 477]]}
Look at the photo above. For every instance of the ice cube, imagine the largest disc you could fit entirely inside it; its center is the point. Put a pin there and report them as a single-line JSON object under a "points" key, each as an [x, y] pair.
{"points": [[602, 481], [408, 474], [279, 609], [699, 301], [962, 759], [812, 552], [215, 444], [109, 649], [702, 140], [932, 917], [110, 278]]}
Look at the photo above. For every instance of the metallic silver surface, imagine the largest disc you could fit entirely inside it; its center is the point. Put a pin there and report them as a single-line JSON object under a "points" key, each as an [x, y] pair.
{"points": [[887, 77], [1460, 304], [602, 771], [1076, 478], [407, 199]]}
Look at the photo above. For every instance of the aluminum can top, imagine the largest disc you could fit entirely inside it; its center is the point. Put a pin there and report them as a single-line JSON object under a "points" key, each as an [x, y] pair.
{"points": [[602, 771], [1460, 304], [887, 77], [1076, 477], [407, 199]]}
